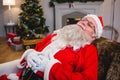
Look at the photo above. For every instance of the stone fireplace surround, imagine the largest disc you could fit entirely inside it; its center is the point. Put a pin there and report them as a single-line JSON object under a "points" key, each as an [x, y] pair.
{"points": [[63, 11]]}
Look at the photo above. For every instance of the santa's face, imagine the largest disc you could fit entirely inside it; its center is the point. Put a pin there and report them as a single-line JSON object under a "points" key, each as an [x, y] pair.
{"points": [[88, 25]]}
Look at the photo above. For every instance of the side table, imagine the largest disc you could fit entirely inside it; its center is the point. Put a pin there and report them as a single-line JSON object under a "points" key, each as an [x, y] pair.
{"points": [[10, 28]]}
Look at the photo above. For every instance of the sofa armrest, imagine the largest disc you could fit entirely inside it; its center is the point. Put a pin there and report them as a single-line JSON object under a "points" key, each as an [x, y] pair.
{"points": [[9, 67], [109, 59]]}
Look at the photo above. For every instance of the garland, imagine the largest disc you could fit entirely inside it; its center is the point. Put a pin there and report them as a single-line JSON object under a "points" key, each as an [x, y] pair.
{"points": [[51, 3]]}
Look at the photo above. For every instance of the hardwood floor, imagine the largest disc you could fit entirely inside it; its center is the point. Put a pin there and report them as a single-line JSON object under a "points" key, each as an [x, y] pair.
{"points": [[7, 53]]}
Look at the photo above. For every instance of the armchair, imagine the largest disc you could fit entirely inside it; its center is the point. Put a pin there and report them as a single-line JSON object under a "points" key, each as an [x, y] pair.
{"points": [[109, 59]]}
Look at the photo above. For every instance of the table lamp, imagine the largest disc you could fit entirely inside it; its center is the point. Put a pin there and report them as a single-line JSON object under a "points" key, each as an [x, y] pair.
{"points": [[9, 3]]}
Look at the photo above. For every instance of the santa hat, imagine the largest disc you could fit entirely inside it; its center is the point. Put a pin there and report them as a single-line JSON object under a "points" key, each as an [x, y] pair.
{"points": [[99, 22]]}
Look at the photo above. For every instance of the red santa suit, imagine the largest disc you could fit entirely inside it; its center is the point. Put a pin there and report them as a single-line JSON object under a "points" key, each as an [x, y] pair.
{"points": [[67, 60], [81, 64]]}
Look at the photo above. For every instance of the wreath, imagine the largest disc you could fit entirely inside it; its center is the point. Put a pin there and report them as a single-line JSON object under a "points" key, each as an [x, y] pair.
{"points": [[51, 3]]}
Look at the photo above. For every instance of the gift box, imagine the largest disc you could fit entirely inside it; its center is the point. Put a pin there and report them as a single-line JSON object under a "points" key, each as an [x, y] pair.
{"points": [[13, 39], [11, 35], [17, 47]]}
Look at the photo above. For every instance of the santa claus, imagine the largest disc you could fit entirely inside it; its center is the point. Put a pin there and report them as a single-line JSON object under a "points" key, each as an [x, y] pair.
{"points": [[66, 54]]}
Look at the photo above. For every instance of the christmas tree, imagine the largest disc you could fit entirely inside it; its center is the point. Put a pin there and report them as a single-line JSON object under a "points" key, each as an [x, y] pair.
{"points": [[31, 22]]}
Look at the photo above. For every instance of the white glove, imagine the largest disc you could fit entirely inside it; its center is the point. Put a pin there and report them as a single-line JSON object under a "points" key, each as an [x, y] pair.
{"points": [[38, 64], [33, 59], [22, 62], [27, 52]]}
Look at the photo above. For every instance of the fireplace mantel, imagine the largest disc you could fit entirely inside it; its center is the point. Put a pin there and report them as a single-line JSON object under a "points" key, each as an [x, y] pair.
{"points": [[85, 8]]}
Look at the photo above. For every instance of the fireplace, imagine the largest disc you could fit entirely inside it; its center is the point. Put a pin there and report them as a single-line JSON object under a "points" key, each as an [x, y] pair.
{"points": [[72, 18], [64, 15]]}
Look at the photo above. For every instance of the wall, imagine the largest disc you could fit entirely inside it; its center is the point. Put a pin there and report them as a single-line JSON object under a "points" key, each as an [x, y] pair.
{"points": [[106, 10], [48, 13], [117, 17], [2, 32], [110, 11]]}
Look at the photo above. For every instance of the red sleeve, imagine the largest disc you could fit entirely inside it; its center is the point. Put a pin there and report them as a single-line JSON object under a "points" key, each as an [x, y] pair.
{"points": [[89, 71]]}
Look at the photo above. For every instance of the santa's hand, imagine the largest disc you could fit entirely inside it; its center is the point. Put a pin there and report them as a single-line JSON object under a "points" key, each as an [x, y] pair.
{"points": [[33, 60], [22, 62], [41, 65]]}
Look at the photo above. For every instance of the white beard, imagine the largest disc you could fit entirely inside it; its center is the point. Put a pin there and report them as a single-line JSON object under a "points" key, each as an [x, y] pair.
{"points": [[72, 35]]}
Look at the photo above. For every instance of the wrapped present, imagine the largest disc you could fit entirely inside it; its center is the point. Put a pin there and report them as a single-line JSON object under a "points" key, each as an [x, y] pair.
{"points": [[17, 47], [14, 41], [11, 35]]}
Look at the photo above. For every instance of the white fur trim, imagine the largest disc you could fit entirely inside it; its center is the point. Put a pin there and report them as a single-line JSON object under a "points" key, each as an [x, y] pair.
{"points": [[25, 54], [12, 76], [48, 67], [99, 28], [51, 49]]}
